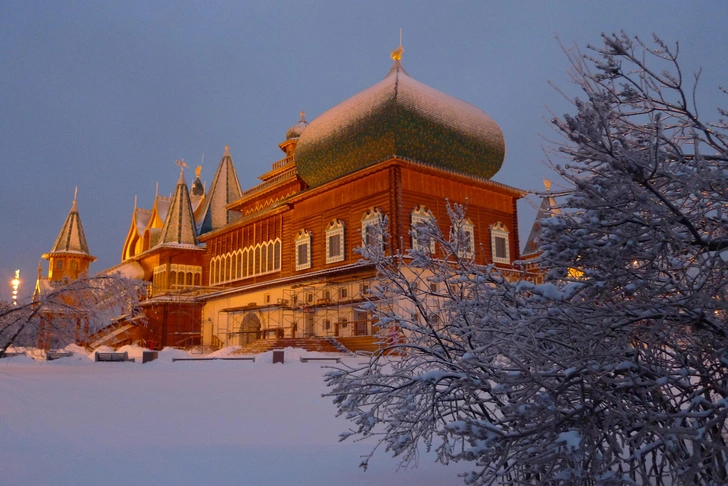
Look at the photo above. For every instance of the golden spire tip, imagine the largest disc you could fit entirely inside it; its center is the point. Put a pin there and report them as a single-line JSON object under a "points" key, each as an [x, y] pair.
{"points": [[397, 53]]}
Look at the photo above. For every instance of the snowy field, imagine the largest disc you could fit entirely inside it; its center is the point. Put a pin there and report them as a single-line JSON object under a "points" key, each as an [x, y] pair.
{"points": [[73, 421]]}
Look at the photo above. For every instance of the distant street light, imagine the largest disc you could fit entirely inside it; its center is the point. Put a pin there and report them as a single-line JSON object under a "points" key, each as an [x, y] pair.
{"points": [[15, 283]]}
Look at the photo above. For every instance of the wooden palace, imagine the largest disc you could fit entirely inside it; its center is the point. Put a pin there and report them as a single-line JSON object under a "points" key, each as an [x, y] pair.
{"points": [[227, 266]]}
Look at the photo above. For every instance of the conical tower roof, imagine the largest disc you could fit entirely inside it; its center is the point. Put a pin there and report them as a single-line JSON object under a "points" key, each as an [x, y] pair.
{"points": [[179, 227], [72, 239], [224, 189], [548, 209]]}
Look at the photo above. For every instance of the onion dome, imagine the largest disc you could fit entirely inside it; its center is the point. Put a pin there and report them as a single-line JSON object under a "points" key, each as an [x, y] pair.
{"points": [[400, 117], [197, 188], [296, 130]]}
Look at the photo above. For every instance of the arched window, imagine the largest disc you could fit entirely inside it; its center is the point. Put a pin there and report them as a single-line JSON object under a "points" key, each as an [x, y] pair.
{"points": [[370, 227], [303, 250], [239, 265], [277, 259], [335, 241], [172, 278], [421, 215], [270, 259], [188, 279], [499, 243], [257, 261]]}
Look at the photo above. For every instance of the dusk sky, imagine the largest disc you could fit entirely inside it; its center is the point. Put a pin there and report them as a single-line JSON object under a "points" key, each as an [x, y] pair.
{"points": [[106, 95]]}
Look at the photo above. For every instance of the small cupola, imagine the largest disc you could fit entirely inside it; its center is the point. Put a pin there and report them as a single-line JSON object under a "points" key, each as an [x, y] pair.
{"points": [[292, 135]]}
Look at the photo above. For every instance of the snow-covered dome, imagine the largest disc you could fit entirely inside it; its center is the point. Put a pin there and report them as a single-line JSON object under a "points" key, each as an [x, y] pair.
{"points": [[296, 130], [400, 117]]}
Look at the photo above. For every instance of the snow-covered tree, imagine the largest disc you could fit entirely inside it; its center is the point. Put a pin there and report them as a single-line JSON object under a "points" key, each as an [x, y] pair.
{"points": [[613, 371], [64, 312]]}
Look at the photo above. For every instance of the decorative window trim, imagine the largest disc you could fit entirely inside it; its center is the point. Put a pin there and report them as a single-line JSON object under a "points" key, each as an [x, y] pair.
{"points": [[259, 259], [334, 228], [420, 215], [499, 230], [468, 228], [303, 238], [180, 276], [371, 219]]}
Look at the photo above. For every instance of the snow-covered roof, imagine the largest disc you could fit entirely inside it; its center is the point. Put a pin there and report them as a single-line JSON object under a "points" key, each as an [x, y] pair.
{"points": [[71, 239], [225, 189], [402, 117], [179, 226], [548, 209]]}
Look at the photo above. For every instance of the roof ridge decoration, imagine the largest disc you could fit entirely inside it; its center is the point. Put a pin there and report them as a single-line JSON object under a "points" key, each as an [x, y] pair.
{"points": [[179, 227], [399, 117], [224, 190], [72, 238]]}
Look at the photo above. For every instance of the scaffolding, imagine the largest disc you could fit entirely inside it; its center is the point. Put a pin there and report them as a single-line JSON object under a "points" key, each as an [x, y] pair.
{"points": [[327, 308]]}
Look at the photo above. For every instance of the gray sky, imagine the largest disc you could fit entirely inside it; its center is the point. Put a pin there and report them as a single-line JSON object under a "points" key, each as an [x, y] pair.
{"points": [[107, 95]]}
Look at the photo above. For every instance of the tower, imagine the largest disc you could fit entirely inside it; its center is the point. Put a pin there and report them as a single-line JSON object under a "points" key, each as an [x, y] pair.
{"points": [[69, 257]]}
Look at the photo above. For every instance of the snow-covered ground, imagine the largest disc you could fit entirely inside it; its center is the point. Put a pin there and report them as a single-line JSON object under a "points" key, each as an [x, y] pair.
{"points": [[74, 421]]}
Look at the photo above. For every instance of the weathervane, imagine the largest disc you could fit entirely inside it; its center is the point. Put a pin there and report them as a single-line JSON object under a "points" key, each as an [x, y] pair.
{"points": [[182, 166]]}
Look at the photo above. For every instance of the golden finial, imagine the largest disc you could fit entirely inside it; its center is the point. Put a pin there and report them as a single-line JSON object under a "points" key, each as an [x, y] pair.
{"points": [[227, 151], [303, 116], [397, 53], [198, 169], [75, 193], [547, 184]]}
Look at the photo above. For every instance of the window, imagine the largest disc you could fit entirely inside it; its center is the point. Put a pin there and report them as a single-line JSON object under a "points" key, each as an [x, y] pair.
{"points": [[420, 216], [309, 298], [74, 265], [335, 241], [343, 293], [245, 262], [327, 324], [343, 322], [370, 227], [433, 288], [499, 243], [266, 298], [465, 238], [303, 250], [59, 264]]}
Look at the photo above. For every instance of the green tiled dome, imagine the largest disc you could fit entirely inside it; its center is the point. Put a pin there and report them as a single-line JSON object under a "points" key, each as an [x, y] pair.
{"points": [[399, 117]]}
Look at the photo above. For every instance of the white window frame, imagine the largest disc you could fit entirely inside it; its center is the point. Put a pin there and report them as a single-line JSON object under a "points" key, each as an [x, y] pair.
{"points": [[371, 219], [469, 228], [334, 228], [499, 230], [420, 215], [303, 238]]}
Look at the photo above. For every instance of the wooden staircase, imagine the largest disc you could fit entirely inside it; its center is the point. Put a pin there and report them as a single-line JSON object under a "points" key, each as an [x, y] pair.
{"points": [[321, 345], [366, 344], [114, 335]]}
